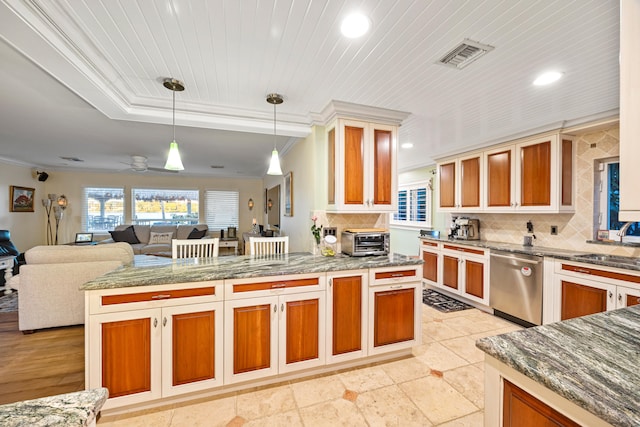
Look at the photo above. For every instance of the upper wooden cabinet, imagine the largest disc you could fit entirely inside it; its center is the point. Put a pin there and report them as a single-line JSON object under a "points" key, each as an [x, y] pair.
{"points": [[535, 175], [460, 183], [362, 166]]}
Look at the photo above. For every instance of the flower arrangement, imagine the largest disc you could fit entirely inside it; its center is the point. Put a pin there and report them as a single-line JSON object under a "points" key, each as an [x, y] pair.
{"points": [[315, 230]]}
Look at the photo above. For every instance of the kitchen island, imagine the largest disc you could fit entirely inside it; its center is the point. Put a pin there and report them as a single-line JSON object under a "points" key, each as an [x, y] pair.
{"points": [[583, 370], [157, 333]]}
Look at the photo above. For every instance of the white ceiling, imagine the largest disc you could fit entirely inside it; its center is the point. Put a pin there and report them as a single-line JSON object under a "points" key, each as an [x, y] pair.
{"points": [[82, 78]]}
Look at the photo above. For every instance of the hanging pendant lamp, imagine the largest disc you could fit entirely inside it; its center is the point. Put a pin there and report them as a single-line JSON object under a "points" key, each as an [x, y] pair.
{"points": [[174, 162], [274, 165]]}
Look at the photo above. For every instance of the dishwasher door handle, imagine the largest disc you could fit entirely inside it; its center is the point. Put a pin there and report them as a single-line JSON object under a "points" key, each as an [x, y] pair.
{"points": [[513, 258]]}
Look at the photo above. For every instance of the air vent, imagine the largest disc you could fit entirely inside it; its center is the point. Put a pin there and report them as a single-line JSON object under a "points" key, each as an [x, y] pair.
{"points": [[464, 54]]}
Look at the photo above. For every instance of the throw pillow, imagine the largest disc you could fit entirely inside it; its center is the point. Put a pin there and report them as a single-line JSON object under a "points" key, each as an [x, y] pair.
{"points": [[197, 234], [126, 235], [160, 238]]}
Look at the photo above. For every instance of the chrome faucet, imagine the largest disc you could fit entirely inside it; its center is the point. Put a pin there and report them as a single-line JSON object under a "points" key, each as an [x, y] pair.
{"points": [[623, 229]]}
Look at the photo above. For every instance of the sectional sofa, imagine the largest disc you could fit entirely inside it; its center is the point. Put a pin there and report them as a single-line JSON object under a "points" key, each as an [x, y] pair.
{"points": [[155, 239]]}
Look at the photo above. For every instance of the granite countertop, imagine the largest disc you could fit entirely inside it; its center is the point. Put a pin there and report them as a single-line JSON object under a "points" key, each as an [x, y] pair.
{"points": [[591, 361], [628, 263], [71, 409], [153, 271]]}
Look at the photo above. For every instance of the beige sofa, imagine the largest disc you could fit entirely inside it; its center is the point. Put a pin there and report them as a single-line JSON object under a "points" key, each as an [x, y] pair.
{"points": [[48, 284], [144, 235]]}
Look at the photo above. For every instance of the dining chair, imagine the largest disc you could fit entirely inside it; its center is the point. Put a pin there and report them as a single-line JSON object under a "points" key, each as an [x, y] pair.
{"points": [[269, 245], [195, 248]]}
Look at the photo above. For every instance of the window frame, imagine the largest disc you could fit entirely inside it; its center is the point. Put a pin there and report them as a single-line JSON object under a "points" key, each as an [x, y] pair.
{"points": [[85, 209], [427, 185], [151, 221], [207, 215]]}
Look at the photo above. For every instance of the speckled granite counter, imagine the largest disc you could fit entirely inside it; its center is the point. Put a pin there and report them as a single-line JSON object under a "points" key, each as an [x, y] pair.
{"points": [[627, 263], [592, 361], [71, 409], [147, 271]]}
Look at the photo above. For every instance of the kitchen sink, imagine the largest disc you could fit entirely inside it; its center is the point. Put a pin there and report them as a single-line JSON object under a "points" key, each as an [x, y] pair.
{"points": [[618, 259]]}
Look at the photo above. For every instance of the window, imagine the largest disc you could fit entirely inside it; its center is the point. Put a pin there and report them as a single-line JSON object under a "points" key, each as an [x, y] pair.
{"points": [[609, 202], [414, 205], [159, 206], [222, 209], [103, 209]]}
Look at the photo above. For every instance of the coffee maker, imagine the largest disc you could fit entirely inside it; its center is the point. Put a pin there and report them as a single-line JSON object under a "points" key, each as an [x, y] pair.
{"points": [[467, 228]]}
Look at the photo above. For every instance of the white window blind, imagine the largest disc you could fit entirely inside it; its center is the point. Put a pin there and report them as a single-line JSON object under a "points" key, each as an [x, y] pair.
{"points": [[222, 209], [414, 205], [102, 209]]}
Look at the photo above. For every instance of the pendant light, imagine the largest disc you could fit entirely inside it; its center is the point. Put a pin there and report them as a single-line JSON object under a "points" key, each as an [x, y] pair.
{"points": [[174, 162], [274, 165]]}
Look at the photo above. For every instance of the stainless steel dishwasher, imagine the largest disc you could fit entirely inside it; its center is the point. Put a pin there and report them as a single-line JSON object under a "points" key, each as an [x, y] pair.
{"points": [[516, 287]]}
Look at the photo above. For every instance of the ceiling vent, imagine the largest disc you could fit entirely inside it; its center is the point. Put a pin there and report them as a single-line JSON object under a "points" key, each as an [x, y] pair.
{"points": [[464, 54]]}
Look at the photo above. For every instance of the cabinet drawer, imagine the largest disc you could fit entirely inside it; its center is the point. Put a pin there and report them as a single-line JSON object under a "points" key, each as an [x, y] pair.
{"points": [[610, 276], [121, 299], [427, 243], [388, 275], [465, 249], [264, 286]]}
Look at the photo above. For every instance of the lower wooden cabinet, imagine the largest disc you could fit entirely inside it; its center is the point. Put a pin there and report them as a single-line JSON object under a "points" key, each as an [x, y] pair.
{"points": [[520, 409], [465, 271], [154, 353], [431, 267], [395, 297], [346, 315]]}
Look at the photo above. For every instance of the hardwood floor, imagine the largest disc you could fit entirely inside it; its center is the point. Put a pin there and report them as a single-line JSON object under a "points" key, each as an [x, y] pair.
{"points": [[45, 363]]}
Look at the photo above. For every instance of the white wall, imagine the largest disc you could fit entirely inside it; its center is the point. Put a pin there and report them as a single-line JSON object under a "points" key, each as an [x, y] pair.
{"points": [[28, 229]]}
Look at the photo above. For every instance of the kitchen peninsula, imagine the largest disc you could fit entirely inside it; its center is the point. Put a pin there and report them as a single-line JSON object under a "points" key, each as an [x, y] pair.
{"points": [[159, 333]]}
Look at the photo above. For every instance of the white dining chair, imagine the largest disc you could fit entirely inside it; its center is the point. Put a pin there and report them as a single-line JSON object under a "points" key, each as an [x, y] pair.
{"points": [[261, 246], [195, 248]]}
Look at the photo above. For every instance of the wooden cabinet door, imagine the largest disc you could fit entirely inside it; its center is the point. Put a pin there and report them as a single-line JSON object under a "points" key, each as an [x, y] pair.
{"points": [[474, 279], [301, 331], [450, 271], [470, 182], [382, 166], [192, 347], [447, 187], [535, 174], [580, 299], [331, 162], [354, 166], [520, 409], [627, 297], [346, 314], [251, 329], [499, 179], [393, 317], [430, 266]]}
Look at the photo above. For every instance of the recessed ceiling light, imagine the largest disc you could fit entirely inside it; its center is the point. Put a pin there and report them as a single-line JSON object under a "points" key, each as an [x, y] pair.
{"points": [[406, 145], [355, 25], [547, 78]]}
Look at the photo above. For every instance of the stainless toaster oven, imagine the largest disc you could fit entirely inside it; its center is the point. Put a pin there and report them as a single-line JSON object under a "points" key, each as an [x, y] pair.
{"points": [[363, 242]]}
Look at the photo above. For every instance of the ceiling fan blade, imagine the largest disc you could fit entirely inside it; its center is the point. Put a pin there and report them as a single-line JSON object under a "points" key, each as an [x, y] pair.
{"points": [[161, 170]]}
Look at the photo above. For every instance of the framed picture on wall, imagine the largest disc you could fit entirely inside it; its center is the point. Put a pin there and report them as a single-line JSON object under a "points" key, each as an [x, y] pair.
{"points": [[21, 199], [288, 194], [266, 196]]}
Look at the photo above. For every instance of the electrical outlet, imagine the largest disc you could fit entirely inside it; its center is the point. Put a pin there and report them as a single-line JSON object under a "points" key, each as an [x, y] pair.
{"points": [[329, 231], [554, 230]]}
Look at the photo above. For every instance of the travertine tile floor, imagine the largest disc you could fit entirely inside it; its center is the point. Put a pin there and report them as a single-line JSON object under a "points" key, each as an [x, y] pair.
{"points": [[442, 385]]}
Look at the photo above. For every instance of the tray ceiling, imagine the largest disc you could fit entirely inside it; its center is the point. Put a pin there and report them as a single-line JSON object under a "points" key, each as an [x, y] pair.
{"points": [[89, 73]]}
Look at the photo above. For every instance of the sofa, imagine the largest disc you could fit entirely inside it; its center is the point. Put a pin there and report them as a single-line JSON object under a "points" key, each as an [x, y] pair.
{"points": [[155, 239], [49, 283]]}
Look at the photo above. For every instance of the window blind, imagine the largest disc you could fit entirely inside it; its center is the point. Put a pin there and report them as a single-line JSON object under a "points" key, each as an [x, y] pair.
{"points": [[222, 209]]}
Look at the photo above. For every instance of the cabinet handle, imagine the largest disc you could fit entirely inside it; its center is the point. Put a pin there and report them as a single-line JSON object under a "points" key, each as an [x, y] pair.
{"points": [[330, 282], [610, 294], [278, 285], [397, 275], [282, 307], [164, 321], [582, 270], [161, 296], [275, 308], [155, 322], [619, 297], [396, 287]]}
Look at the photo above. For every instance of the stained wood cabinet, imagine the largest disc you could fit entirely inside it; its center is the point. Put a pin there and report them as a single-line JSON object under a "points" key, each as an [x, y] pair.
{"points": [[531, 176], [362, 167], [460, 184], [346, 315], [395, 298], [465, 271], [521, 409], [274, 326], [582, 289], [432, 259], [173, 346]]}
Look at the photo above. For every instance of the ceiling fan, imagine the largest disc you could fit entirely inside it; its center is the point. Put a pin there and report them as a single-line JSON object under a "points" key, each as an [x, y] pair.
{"points": [[139, 164]]}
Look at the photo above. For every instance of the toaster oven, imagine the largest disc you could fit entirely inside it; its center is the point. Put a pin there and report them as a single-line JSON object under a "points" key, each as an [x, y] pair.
{"points": [[363, 242]]}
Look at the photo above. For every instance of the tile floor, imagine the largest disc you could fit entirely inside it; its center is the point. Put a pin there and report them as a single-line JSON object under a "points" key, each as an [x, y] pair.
{"points": [[442, 385]]}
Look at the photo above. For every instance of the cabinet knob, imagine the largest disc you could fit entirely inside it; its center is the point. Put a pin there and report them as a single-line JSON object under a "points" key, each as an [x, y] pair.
{"points": [[155, 322], [275, 308], [282, 307], [619, 297], [610, 294], [164, 321]]}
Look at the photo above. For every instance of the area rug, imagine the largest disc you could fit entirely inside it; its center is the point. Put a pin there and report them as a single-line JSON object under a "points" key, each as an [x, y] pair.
{"points": [[442, 302], [8, 303]]}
